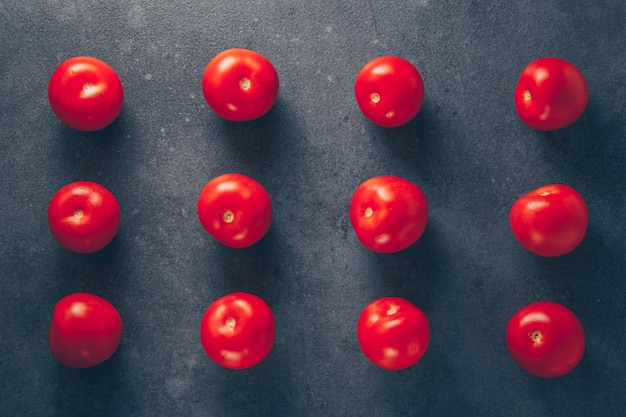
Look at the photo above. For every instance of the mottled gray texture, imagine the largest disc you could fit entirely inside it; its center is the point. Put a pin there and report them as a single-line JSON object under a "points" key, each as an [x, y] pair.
{"points": [[467, 149]]}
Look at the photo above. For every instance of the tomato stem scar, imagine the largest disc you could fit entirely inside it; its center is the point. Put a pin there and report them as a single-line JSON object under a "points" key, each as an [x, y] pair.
{"points": [[536, 336], [78, 213], [375, 97], [228, 216], [527, 95], [368, 212], [231, 322], [392, 310], [244, 83]]}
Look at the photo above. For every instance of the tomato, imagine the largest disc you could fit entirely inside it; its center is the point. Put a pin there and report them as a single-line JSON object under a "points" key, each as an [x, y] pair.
{"points": [[85, 330], [388, 213], [240, 85], [550, 221], [551, 94], [235, 209], [238, 330], [389, 90], [545, 339], [83, 216], [393, 333], [85, 93]]}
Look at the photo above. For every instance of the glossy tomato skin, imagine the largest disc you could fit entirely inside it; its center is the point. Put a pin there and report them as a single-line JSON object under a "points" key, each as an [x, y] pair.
{"points": [[389, 91], [85, 331], [393, 333], [240, 84], [238, 330], [550, 221], [388, 213], [551, 94], [235, 209], [83, 216], [545, 339], [85, 93]]}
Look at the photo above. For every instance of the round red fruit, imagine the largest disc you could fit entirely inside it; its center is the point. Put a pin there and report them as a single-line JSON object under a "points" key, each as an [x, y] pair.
{"points": [[235, 209], [389, 91], [388, 213], [238, 330], [551, 94], [85, 331], [85, 93], [393, 333], [545, 339], [550, 221], [240, 84], [83, 217]]}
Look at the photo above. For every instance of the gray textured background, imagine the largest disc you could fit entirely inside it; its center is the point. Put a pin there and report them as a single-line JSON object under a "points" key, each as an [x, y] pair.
{"points": [[467, 150]]}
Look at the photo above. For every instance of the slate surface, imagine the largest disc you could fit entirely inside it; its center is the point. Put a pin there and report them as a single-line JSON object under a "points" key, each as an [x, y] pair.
{"points": [[467, 150]]}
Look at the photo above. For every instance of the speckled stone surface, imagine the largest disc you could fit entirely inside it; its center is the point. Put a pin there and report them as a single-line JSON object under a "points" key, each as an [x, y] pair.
{"points": [[467, 150]]}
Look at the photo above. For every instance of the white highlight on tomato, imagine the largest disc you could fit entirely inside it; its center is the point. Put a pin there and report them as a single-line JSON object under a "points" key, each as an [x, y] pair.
{"points": [[382, 238], [546, 113]]}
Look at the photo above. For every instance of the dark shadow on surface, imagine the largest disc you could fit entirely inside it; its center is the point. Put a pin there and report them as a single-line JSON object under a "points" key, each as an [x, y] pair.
{"points": [[94, 156], [96, 391], [410, 142], [260, 143], [416, 273], [96, 272]]}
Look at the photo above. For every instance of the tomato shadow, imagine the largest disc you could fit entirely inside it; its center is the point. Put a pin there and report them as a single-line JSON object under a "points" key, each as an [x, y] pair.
{"points": [[568, 394], [413, 273], [98, 273], [414, 143], [88, 155], [252, 269], [257, 145], [98, 390], [254, 391], [591, 151]]}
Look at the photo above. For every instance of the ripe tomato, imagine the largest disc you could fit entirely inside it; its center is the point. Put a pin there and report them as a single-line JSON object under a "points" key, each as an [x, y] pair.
{"points": [[83, 216], [551, 94], [85, 330], [388, 213], [393, 333], [240, 85], [389, 90], [550, 221], [85, 93], [545, 339], [235, 209], [238, 330]]}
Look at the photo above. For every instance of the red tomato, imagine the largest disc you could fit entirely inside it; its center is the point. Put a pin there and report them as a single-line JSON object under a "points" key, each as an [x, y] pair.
{"points": [[83, 216], [235, 209], [240, 85], [85, 93], [85, 330], [389, 90], [238, 330], [393, 333], [388, 213], [545, 339], [550, 221], [551, 94]]}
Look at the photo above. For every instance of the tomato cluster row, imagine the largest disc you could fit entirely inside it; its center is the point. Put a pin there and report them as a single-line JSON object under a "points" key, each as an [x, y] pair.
{"points": [[241, 85], [388, 214]]}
